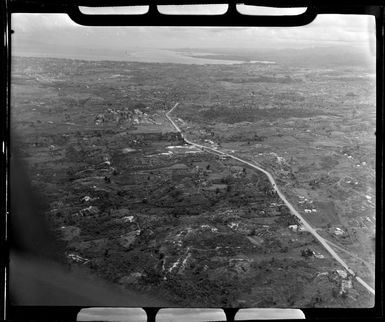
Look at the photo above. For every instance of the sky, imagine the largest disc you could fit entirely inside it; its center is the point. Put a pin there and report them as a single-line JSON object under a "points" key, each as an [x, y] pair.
{"points": [[50, 33]]}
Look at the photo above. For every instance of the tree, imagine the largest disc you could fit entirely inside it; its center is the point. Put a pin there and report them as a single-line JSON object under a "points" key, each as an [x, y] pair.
{"points": [[306, 252]]}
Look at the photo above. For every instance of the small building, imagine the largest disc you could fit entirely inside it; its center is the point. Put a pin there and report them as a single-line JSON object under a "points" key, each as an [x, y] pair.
{"points": [[342, 273], [338, 231]]}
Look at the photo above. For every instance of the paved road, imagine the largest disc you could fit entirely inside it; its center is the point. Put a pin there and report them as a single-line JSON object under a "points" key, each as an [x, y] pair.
{"points": [[280, 194], [368, 264]]}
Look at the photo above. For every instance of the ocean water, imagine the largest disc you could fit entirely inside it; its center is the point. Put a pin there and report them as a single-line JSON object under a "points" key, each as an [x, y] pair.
{"points": [[139, 55]]}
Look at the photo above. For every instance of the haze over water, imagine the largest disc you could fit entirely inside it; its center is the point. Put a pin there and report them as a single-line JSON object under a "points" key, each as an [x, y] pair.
{"points": [[144, 56]]}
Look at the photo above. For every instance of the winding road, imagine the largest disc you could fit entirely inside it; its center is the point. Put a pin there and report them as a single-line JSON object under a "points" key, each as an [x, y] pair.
{"points": [[280, 194]]}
